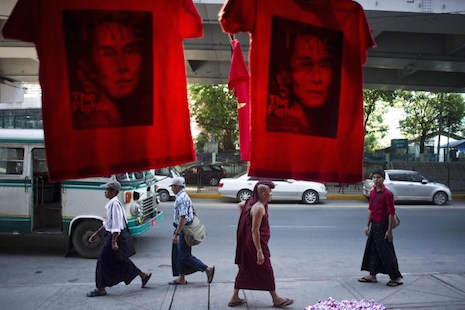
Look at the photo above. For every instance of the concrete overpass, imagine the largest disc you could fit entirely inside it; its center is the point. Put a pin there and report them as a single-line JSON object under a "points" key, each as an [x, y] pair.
{"points": [[421, 46]]}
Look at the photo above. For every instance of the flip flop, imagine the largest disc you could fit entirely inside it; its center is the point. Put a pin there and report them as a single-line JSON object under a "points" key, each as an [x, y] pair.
{"points": [[394, 283], [96, 293], [237, 303], [365, 280], [176, 282], [285, 303], [210, 277], [147, 278]]}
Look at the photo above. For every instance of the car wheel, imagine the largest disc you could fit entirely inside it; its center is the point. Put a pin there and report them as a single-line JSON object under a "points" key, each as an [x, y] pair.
{"points": [[164, 195], [310, 197], [81, 237], [440, 198], [213, 181], [243, 195]]}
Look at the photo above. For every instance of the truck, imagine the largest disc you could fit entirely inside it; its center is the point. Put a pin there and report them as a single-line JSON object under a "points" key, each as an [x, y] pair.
{"points": [[31, 203]]}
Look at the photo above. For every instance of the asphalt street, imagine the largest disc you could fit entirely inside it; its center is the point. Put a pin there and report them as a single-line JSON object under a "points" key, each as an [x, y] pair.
{"points": [[321, 243]]}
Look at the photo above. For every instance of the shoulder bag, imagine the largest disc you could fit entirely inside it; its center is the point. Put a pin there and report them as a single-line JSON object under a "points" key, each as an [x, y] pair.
{"points": [[125, 242], [195, 232], [396, 217]]}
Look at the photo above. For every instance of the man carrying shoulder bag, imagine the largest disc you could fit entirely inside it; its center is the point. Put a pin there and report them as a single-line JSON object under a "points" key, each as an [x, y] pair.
{"points": [[182, 261]]}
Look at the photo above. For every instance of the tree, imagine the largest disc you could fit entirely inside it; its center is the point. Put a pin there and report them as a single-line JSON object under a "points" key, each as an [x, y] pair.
{"points": [[451, 109], [214, 108], [375, 104], [427, 113]]}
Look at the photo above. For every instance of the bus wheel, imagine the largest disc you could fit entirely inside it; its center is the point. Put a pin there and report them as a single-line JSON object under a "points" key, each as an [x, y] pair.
{"points": [[81, 237]]}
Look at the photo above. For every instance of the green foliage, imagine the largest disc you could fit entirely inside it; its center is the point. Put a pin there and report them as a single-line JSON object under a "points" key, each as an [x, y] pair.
{"points": [[214, 109], [428, 113], [375, 104]]}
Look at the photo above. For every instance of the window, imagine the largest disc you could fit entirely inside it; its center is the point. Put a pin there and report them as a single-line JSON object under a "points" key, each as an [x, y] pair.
{"points": [[11, 160], [415, 177], [21, 118], [399, 177]]}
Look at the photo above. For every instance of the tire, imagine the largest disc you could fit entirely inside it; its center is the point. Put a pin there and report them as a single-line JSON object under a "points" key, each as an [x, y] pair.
{"points": [[440, 198], [310, 197], [81, 236], [164, 195], [213, 181], [243, 195]]}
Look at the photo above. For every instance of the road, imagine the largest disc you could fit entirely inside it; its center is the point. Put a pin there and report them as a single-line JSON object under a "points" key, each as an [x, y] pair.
{"points": [[319, 242]]}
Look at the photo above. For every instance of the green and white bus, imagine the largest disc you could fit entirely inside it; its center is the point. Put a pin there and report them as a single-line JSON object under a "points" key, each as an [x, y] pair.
{"points": [[30, 203]]}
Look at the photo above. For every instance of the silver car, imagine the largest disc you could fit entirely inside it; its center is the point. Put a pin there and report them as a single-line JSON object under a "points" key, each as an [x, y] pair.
{"points": [[410, 185], [241, 186]]}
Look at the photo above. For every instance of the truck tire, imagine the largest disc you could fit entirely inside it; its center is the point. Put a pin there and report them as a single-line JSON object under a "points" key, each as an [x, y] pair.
{"points": [[164, 195], [81, 236]]}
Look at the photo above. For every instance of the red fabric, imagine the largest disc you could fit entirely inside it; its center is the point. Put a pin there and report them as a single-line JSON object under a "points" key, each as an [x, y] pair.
{"points": [[239, 81], [324, 142], [91, 130], [383, 206], [252, 276]]}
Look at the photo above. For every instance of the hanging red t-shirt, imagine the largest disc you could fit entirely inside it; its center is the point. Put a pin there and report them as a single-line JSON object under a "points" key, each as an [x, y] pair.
{"points": [[113, 79], [306, 86], [239, 81]]}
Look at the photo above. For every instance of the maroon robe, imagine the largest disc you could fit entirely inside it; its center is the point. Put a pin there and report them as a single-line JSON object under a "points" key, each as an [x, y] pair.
{"points": [[252, 276]]}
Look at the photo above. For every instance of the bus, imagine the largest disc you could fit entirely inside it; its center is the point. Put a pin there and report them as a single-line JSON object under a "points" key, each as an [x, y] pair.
{"points": [[31, 203]]}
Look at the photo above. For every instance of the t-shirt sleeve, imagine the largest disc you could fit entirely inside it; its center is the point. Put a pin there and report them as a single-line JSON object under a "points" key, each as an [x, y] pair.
{"points": [[190, 22], [23, 23], [366, 39], [238, 16]]}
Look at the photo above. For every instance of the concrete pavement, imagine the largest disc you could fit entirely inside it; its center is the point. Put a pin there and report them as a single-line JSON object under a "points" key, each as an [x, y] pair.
{"points": [[419, 291]]}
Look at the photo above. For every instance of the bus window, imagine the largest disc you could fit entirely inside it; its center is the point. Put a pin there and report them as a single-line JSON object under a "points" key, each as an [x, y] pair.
{"points": [[11, 160]]}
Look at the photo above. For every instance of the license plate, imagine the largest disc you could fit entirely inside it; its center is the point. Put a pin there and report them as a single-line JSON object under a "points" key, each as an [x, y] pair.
{"points": [[154, 222]]}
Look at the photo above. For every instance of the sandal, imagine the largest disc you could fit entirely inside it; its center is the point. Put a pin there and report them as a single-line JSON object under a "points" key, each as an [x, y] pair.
{"points": [[237, 303], [211, 275], [176, 282], [366, 280], [394, 283], [147, 278], [96, 293], [285, 303]]}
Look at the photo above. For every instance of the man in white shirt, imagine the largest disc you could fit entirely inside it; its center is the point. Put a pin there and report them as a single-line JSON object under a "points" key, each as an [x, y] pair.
{"points": [[111, 271]]}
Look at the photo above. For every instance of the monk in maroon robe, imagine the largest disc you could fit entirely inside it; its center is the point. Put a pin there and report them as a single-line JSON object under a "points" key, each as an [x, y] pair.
{"points": [[252, 252]]}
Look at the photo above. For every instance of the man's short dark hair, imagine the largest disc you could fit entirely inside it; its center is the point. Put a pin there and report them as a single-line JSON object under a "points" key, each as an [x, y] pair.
{"points": [[379, 172]]}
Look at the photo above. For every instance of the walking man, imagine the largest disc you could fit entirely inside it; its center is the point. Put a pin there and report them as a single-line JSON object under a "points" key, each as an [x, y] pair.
{"points": [[182, 261], [111, 271], [379, 256], [252, 252]]}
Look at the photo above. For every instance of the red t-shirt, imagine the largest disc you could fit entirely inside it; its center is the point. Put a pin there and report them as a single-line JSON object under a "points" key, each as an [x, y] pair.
{"points": [[113, 79], [239, 81], [306, 86], [382, 206]]}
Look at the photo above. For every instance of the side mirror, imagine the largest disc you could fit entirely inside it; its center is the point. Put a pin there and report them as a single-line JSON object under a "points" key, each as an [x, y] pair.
{"points": [[424, 181]]}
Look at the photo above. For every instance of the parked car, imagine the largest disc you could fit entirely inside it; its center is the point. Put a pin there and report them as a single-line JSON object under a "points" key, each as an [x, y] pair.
{"points": [[203, 174], [242, 185], [164, 177], [410, 185]]}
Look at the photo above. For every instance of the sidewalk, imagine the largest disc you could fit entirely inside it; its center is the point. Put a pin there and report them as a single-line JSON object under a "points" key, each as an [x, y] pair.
{"points": [[420, 291]]}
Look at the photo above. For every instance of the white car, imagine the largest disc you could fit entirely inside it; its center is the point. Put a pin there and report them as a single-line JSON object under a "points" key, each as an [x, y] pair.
{"points": [[410, 185], [241, 186], [164, 177]]}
